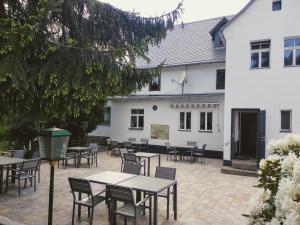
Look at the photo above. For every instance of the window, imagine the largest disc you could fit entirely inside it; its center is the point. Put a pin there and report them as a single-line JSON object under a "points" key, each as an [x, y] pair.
{"points": [[220, 79], [292, 52], [106, 116], [286, 118], [206, 119], [155, 84], [260, 54], [276, 6], [137, 119], [185, 120]]}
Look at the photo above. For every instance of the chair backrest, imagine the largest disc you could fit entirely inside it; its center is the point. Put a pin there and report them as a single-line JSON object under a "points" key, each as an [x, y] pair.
{"points": [[168, 145], [127, 144], [165, 173], [19, 154], [113, 144], [145, 141], [94, 147], [191, 143], [120, 194], [30, 165], [130, 157], [36, 155], [132, 139], [204, 147], [80, 185], [122, 152], [132, 168]]}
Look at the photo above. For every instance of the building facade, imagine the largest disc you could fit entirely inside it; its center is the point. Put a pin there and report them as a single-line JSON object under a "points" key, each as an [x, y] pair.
{"points": [[189, 100]]}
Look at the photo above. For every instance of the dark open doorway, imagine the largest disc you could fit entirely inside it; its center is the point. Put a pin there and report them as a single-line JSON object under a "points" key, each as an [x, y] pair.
{"points": [[248, 131]]}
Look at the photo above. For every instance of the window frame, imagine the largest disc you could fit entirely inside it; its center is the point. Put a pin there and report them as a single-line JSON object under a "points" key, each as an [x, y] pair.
{"points": [[260, 52], [294, 48], [218, 87], [151, 89], [185, 121], [290, 125], [205, 130], [137, 115]]}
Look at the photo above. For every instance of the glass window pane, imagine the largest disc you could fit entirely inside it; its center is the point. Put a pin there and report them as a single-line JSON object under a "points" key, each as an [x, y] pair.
{"points": [[265, 45], [285, 120], [255, 46], [140, 111], [220, 79], [276, 5], [298, 57], [209, 121], [297, 41], [181, 121], [141, 121], [188, 120], [202, 121], [289, 42], [265, 59], [254, 60], [155, 84], [134, 111], [133, 121], [288, 57]]}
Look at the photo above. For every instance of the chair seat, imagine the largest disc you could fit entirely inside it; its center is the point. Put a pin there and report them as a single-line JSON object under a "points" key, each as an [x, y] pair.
{"points": [[22, 176], [88, 200], [172, 152], [128, 210]]}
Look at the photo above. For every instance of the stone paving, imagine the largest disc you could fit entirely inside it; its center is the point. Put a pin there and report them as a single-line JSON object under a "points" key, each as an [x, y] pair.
{"points": [[205, 196]]}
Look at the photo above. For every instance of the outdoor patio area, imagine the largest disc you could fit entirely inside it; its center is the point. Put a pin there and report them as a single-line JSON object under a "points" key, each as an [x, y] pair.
{"points": [[205, 196]]}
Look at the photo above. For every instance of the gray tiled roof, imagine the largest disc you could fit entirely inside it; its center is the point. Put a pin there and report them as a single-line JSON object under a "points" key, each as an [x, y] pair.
{"points": [[190, 44]]}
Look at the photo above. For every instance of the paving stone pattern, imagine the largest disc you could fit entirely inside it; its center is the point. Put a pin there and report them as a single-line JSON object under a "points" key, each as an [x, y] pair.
{"points": [[205, 196]]}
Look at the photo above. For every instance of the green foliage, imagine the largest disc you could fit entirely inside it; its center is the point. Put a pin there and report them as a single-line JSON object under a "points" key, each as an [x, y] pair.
{"points": [[60, 60]]}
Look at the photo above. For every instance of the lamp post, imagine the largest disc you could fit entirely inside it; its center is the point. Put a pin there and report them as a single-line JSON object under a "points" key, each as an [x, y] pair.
{"points": [[53, 144]]}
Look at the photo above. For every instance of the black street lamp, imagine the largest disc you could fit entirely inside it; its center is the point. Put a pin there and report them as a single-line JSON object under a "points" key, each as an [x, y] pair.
{"points": [[53, 144]]}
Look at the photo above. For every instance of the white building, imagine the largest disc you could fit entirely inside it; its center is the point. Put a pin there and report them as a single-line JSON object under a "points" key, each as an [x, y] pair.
{"points": [[189, 101]]}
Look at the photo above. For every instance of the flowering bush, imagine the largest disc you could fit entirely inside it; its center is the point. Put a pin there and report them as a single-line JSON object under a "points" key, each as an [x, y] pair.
{"points": [[278, 199]]}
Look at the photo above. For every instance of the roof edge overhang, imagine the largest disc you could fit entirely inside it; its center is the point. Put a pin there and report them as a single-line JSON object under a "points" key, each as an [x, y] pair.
{"points": [[183, 64], [166, 97]]}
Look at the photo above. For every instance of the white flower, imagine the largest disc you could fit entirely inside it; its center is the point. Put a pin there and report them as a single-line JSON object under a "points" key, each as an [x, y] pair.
{"points": [[274, 221], [293, 140], [258, 203], [288, 163], [262, 164], [296, 171], [273, 158]]}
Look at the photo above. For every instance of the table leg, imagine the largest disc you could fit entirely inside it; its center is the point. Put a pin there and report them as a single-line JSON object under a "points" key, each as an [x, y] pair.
{"points": [[149, 167], [159, 161], [79, 207], [175, 201], [155, 222], [192, 153], [1, 179]]}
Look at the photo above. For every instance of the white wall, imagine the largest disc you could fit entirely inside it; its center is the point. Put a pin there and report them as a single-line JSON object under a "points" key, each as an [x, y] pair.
{"points": [[200, 79], [165, 115], [268, 89]]}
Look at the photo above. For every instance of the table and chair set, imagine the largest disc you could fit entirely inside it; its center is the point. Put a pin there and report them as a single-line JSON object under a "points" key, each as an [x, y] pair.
{"points": [[19, 169], [190, 151], [132, 145], [127, 193]]}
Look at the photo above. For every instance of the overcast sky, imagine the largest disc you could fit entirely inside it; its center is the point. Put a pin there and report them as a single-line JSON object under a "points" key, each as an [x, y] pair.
{"points": [[194, 9]]}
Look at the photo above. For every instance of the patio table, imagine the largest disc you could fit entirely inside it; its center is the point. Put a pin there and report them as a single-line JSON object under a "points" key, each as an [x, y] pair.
{"points": [[190, 148], [78, 150], [148, 156], [152, 186], [109, 177], [7, 161]]}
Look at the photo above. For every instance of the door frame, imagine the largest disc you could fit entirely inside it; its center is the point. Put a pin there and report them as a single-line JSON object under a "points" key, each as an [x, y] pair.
{"points": [[243, 110]]}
